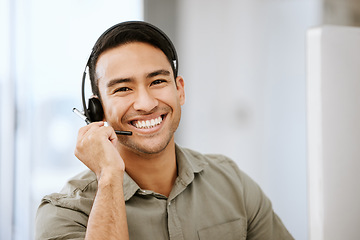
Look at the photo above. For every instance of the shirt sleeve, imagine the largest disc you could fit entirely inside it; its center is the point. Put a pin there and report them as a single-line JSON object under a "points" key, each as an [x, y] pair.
{"points": [[263, 222], [58, 222], [65, 215]]}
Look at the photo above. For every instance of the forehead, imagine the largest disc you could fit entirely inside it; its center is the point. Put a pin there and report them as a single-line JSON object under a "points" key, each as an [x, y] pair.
{"points": [[130, 58]]}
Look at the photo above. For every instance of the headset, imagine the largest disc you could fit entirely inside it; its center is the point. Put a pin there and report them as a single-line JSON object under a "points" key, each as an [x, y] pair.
{"points": [[94, 111]]}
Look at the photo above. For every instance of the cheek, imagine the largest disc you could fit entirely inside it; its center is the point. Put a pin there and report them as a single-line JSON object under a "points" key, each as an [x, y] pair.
{"points": [[114, 109], [169, 96], [168, 100]]}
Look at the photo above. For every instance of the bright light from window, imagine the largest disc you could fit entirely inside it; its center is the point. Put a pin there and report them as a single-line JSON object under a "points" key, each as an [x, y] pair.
{"points": [[52, 43]]}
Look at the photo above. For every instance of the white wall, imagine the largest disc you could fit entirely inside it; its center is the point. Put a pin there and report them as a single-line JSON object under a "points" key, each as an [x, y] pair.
{"points": [[244, 69], [334, 132]]}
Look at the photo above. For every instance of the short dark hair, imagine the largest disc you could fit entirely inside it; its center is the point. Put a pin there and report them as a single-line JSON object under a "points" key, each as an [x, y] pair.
{"points": [[129, 32]]}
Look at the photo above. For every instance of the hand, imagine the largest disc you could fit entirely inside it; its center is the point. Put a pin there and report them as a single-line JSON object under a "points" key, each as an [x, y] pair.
{"points": [[96, 148]]}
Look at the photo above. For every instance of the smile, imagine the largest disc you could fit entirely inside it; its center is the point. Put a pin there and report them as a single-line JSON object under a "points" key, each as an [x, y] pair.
{"points": [[146, 124]]}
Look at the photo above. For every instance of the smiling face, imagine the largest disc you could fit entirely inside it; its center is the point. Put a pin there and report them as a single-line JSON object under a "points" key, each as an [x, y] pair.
{"points": [[139, 94]]}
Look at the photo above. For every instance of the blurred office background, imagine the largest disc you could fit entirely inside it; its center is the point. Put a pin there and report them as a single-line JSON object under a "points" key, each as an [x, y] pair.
{"points": [[244, 66]]}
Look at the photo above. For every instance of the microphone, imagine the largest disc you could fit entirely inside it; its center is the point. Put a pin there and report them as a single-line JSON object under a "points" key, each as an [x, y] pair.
{"points": [[83, 117]]}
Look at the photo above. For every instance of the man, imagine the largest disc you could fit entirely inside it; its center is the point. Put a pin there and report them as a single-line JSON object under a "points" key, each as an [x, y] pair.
{"points": [[144, 186]]}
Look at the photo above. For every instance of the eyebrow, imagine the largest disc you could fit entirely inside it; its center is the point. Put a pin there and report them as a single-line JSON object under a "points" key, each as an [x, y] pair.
{"points": [[158, 72], [117, 81]]}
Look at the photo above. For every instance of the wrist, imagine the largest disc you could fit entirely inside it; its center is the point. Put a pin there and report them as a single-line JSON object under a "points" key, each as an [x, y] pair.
{"points": [[110, 177]]}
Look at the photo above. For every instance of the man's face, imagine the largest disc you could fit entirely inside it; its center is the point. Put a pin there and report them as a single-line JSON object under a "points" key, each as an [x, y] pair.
{"points": [[139, 94]]}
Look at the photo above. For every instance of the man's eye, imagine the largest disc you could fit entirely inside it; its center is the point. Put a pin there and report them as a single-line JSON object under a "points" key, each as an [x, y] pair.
{"points": [[122, 89], [159, 81]]}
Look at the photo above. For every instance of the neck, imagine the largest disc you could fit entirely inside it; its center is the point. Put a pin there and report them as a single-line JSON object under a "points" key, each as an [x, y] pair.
{"points": [[155, 172]]}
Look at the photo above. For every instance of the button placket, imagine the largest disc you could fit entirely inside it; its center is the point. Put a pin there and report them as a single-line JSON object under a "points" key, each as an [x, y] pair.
{"points": [[174, 226]]}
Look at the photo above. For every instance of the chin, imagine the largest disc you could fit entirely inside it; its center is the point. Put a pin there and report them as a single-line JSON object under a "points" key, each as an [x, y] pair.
{"points": [[148, 148]]}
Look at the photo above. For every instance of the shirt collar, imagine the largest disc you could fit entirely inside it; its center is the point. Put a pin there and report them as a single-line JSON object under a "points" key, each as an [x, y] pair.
{"points": [[189, 163], [130, 187]]}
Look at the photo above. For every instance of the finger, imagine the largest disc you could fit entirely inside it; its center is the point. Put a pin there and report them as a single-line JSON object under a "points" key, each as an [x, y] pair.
{"points": [[87, 128], [107, 132], [111, 133], [99, 132], [87, 135]]}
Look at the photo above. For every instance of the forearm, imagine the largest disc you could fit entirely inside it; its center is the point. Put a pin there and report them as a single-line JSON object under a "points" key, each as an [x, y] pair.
{"points": [[107, 219]]}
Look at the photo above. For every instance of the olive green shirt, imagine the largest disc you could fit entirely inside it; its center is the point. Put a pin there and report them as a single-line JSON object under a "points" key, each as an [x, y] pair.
{"points": [[211, 199]]}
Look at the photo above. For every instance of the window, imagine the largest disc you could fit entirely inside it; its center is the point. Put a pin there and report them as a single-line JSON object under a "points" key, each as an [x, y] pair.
{"points": [[47, 46]]}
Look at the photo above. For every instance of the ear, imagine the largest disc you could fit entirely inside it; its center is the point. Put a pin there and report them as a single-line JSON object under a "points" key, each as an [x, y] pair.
{"points": [[180, 87]]}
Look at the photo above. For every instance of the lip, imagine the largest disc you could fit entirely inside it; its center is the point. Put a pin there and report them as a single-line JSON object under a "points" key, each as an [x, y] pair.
{"points": [[144, 118]]}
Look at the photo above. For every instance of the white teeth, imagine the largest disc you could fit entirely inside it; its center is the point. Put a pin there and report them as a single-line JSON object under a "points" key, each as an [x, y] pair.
{"points": [[148, 123]]}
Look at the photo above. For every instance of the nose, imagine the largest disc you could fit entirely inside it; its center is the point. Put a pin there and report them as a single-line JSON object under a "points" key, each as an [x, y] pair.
{"points": [[145, 101]]}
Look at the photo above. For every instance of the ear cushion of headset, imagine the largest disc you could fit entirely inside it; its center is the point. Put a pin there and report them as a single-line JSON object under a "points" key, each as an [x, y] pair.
{"points": [[95, 110]]}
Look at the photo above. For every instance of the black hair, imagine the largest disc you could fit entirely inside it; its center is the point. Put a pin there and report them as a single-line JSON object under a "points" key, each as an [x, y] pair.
{"points": [[129, 32]]}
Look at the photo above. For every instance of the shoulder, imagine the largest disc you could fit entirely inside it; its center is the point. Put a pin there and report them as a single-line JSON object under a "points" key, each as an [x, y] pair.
{"points": [[77, 194], [220, 170], [84, 181], [224, 176], [70, 207], [201, 157], [218, 163]]}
